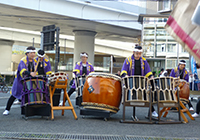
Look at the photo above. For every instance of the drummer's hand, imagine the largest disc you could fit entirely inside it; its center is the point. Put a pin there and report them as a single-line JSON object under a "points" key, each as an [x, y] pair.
{"points": [[33, 74], [126, 75], [151, 77]]}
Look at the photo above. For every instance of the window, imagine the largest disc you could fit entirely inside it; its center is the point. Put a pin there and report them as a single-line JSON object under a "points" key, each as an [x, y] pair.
{"points": [[164, 5], [160, 47], [155, 64], [171, 64], [151, 47], [171, 47]]}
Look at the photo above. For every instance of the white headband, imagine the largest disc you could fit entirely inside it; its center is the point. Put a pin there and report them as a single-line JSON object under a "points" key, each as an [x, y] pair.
{"points": [[83, 55], [137, 50], [182, 63], [40, 55], [28, 51]]}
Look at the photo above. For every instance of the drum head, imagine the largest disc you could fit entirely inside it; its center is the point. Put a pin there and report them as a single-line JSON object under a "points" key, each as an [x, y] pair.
{"points": [[36, 77], [104, 75]]}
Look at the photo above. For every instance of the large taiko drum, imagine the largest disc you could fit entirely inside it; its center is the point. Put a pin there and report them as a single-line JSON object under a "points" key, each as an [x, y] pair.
{"points": [[102, 91], [35, 91], [184, 92]]}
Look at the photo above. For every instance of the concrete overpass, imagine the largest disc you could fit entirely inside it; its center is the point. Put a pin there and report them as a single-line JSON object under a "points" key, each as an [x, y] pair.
{"points": [[85, 21], [24, 38]]}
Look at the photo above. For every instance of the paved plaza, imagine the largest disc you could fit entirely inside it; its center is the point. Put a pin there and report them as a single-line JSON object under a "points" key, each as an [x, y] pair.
{"points": [[14, 126]]}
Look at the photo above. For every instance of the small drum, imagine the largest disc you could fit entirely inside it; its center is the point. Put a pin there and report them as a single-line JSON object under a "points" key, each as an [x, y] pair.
{"points": [[102, 91], [166, 88], [184, 92], [34, 91], [135, 88], [57, 75]]}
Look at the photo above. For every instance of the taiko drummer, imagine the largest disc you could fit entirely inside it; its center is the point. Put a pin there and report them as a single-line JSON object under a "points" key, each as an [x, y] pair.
{"points": [[82, 68], [44, 65], [137, 65], [26, 67], [181, 72]]}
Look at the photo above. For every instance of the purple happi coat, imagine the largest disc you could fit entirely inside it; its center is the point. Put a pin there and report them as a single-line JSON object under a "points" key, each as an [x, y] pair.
{"points": [[79, 68], [17, 85], [129, 67], [46, 64], [175, 73]]}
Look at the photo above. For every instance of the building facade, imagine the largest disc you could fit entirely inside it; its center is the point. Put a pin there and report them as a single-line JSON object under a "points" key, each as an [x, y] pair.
{"points": [[160, 49]]}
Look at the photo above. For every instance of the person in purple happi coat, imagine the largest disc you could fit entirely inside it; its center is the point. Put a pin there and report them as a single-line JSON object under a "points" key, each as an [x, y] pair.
{"points": [[26, 67], [137, 65], [181, 72], [82, 68]]}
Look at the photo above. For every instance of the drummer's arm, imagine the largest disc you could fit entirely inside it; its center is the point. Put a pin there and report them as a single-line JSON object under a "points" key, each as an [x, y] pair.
{"points": [[48, 69], [172, 74], [125, 68], [23, 70], [91, 68], [76, 72], [187, 78], [28, 73], [147, 70]]}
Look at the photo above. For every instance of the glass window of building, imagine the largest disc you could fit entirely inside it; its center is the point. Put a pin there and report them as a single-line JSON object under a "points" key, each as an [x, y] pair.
{"points": [[164, 5], [171, 47], [161, 47], [171, 64]]}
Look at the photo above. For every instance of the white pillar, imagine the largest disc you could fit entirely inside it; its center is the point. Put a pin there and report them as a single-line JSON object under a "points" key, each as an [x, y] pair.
{"points": [[5, 55], [84, 42]]}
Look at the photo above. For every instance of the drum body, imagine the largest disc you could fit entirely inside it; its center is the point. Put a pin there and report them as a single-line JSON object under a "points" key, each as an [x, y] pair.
{"points": [[165, 87], [34, 91], [135, 88], [184, 92], [102, 91]]}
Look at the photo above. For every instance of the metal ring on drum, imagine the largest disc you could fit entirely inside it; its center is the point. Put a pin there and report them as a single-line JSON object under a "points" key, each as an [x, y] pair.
{"points": [[102, 91]]}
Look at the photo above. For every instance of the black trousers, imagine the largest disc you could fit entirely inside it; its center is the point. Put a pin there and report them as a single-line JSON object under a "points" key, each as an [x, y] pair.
{"points": [[198, 107], [189, 104], [71, 90], [10, 102]]}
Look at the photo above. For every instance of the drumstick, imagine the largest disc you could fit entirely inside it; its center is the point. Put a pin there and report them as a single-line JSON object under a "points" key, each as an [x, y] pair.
{"points": [[37, 64]]}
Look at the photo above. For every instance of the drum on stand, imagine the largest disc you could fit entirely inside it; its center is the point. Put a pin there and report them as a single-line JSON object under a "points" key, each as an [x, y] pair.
{"points": [[102, 91], [166, 88], [52, 80], [136, 88], [35, 97]]}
